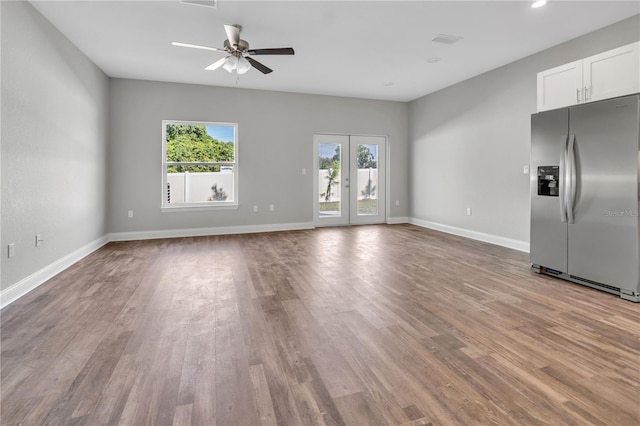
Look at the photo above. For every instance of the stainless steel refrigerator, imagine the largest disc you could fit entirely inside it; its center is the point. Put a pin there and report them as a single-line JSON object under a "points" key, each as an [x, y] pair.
{"points": [[584, 195]]}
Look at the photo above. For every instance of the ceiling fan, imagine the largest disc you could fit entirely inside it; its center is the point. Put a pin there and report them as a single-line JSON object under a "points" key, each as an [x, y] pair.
{"points": [[238, 52]]}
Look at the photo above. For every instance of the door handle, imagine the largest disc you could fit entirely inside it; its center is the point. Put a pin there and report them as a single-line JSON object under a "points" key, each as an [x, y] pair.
{"points": [[578, 95], [563, 182], [572, 179]]}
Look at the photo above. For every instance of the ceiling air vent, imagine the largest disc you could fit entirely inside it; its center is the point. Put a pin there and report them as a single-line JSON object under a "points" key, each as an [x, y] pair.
{"points": [[205, 3], [446, 39]]}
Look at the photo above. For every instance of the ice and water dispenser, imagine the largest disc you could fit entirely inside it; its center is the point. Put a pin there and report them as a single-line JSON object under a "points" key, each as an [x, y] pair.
{"points": [[548, 180]]}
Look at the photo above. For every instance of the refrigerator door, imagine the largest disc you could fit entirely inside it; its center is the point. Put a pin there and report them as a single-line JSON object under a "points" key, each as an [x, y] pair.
{"points": [[549, 136], [603, 240]]}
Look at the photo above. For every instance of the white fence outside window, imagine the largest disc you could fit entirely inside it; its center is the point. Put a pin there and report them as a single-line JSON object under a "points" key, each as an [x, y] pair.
{"points": [[196, 187], [367, 185]]}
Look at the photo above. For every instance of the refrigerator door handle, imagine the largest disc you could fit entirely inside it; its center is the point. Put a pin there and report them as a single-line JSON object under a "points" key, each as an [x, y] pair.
{"points": [[563, 183], [571, 200]]}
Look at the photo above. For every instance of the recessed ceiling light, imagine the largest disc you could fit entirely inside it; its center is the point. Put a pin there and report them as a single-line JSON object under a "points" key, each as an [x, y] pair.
{"points": [[388, 84], [538, 4], [433, 60]]}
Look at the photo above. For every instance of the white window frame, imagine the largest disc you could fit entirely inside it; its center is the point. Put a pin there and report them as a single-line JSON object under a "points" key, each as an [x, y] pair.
{"points": [[204, 205]]}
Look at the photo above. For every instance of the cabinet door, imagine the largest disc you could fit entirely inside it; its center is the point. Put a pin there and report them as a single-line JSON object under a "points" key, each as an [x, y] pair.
{"points": [[560, 86], [613, 73]]}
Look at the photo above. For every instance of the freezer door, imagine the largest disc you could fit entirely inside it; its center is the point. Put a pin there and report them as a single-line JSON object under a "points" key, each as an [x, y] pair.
{"points": [[549, 134], [603, 240]]}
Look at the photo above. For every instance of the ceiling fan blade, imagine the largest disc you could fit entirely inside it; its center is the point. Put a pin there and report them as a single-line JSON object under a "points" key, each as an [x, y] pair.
{"points": [[196, 46], [217, 64], [273, 51], [257, 65], [233, 34]]}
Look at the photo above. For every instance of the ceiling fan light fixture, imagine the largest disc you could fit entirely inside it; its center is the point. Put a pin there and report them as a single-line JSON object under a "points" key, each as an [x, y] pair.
{"points": [[231, 64], [243, 65]]}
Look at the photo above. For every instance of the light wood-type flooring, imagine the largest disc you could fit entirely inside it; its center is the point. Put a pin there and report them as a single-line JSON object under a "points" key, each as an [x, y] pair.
{"points": [[366, 325]]}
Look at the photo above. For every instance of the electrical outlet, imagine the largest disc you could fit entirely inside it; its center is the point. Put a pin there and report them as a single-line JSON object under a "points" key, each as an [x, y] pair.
{"points": [[39, 240], [468, 211], [271, 207], [11, 250], [255, 209], [130, 214], [525, 170]]}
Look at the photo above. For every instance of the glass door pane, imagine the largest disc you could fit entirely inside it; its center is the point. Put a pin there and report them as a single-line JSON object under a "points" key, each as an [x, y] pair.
{"points": [[367, 195], [367, 179], [331, 180]]}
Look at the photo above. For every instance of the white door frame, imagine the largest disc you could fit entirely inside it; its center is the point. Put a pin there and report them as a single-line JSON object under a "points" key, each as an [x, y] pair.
{"points": [[348, 213]]}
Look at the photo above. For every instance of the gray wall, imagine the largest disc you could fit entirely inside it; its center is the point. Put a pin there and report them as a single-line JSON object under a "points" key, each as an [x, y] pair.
{"points": [[275, 133], [54, 144], [469, 142]]}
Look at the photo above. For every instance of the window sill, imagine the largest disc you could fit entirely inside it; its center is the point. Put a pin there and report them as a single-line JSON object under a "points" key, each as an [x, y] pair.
{"points": [[195, 208]]}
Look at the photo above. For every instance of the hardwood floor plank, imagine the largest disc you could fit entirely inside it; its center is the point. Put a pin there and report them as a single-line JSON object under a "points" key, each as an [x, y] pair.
{"points": [[587, 398], [324, 401], [261, 393], [385, 393], [385, 325], [357, 409], [316, 344], [114, 396], [182, 416]]}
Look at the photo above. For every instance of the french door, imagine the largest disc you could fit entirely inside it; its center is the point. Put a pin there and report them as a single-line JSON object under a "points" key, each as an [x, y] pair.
{"points": [[349, 179]]}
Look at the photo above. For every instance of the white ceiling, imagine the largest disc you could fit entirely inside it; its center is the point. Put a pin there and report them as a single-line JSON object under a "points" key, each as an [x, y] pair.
{"points": [[364, 49]]}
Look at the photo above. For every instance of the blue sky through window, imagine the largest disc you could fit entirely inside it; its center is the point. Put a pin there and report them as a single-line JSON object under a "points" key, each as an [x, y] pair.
{"points": [[221, 133], [328, 150]]}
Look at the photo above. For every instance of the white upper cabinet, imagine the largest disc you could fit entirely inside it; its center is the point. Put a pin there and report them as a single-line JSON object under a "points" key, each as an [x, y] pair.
{"points": [[606, 75], [560, 86], [613, 73]]}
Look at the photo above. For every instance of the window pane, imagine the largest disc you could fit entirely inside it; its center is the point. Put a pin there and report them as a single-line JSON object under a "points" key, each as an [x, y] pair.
{"points": [[200, 187], [367, 179], [196, 168], [199, 143], [329, 187], [199, 163]]}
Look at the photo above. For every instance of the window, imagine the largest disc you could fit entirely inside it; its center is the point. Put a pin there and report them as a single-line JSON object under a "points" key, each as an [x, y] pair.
{"points": [[199, 164]]}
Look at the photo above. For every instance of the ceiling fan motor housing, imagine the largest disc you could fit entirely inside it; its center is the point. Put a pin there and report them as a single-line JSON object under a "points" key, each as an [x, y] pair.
{"points": [[243, 45]]}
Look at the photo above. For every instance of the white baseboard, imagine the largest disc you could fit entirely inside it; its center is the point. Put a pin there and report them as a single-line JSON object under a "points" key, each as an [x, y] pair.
{"points": [[474, 235], [199, 232], [397, 220], [39, 277]]}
